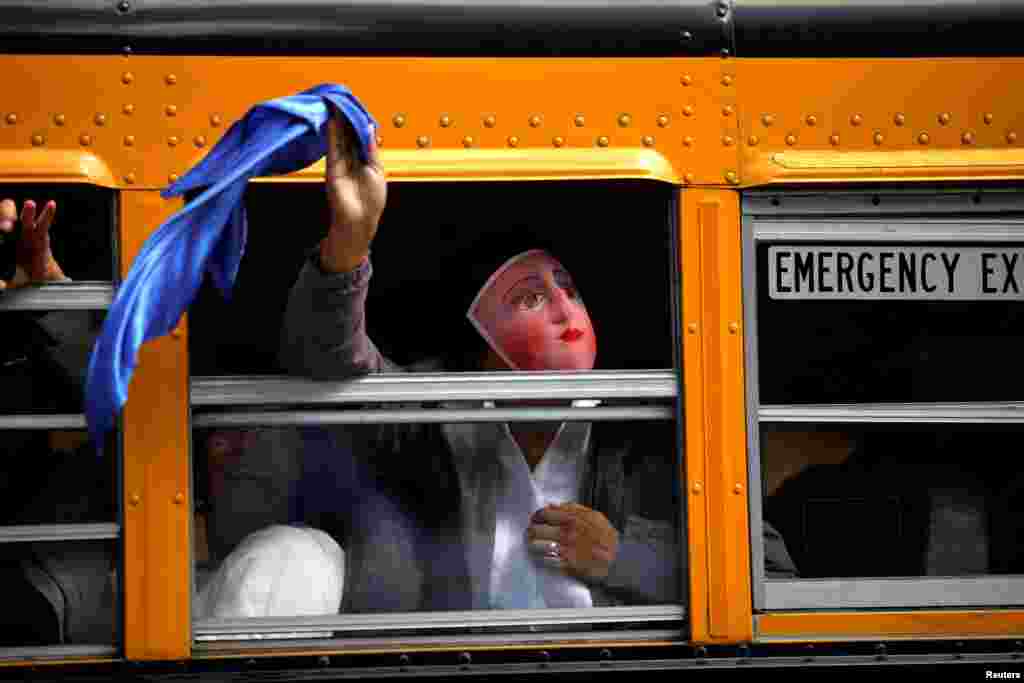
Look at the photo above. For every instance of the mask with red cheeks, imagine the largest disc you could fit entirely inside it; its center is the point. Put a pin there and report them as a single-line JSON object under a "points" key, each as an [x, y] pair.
{"points": [[530, 313]]}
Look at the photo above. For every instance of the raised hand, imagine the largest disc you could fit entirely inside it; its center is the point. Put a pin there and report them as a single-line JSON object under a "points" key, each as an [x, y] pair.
{"points": [[356, 194], [574, 538], [34, 262]]}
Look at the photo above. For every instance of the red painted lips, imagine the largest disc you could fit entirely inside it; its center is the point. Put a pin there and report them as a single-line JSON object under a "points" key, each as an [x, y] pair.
{"points": [[571, 335]]}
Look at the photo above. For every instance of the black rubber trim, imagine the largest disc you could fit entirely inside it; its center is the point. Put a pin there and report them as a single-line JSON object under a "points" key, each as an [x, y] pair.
{"points": [[879, 28], [624, 28]]}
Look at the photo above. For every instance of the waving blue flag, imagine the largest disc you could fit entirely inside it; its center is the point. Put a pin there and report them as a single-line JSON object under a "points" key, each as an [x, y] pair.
{"points": [[208, 235]]}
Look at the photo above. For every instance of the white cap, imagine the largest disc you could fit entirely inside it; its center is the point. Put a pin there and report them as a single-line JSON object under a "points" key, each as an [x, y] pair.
{"points": [[279, 571]]}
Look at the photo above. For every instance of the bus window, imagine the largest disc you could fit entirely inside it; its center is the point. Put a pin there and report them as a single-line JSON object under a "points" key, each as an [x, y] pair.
{"points": [[885, 392], [59, 520], [422, 498]]}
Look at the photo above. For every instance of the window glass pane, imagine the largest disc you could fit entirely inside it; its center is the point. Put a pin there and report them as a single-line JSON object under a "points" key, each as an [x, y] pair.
{"points": [[895, 500], [893, 348], [60, 593], [82, 232], [426, 253], [437, 517]]}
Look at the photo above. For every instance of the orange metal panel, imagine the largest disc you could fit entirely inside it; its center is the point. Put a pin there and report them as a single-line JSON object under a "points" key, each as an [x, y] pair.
{"points": [[794, 627], [694, 480], [948, 119], [714, 216], [157, 527]]}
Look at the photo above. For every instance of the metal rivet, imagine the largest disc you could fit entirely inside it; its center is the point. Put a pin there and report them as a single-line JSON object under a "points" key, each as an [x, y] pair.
{"points": [[692, 328], [134, 499], [690, 178], [688, 141], [128, 109], [129, 140], [728, 140], [648, 141], [323, 660], [127, 49], [988, 118], [625, 120], [422, 141], [398, 121], [602, 141], [734, 328], [663, 121], [215, 119], [85, 140], [944, 118], [727, 80], [129, 178], [445, 121], [172, 178], [38, 140], [467, 141], [127, 77], [967, 138], [173, 141], [380, 140], [725, 52], [879, 138], [722, 10], [558, 141], [834, 139], [753, 140], [728, 110], [731, 177], [580, 121], [535, 121], [697, 487], [1011, 137], [791, 139], [179, 498], [170, 79], [490, 121], [688, 110], [200, 141], [100, 119], [899, 119], [176, 332], [856, 120], [171, 110], [687, 79], [923, 139], [124, 6], [59, 119], [737, 489], [686, 35], [767, 119], [513, 141]]}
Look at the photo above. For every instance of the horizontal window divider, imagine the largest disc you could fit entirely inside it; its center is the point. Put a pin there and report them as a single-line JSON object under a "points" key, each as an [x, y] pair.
{"points": [[57, 651], [964, 413], [435, 387], [92, 296], [211, 644], [833, 203], [895, 592], [948, 230], [55, 421], [435, 621], [439, 415], [31, 533]]}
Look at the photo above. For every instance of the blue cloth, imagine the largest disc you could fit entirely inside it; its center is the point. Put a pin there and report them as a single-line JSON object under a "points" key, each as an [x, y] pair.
{"points": [[208, 235]]}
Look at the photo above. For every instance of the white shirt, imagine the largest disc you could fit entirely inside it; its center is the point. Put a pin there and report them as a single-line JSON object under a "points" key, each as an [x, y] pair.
{"points": [[495, 474]]}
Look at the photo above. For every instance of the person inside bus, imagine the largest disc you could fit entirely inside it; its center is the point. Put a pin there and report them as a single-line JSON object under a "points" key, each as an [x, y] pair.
{"points": [[56, 593], [500, 516]]}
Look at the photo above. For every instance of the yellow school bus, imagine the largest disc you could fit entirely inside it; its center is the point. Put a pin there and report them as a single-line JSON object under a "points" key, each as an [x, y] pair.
{"points": [[799, 228]]}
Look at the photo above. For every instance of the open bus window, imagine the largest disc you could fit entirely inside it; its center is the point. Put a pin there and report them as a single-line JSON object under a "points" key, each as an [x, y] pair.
{"points": [[435, 509], [886, 391], [82, 236]]}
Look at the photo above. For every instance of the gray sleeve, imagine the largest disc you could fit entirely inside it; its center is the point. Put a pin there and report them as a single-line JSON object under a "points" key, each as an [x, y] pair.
{"points": [[324, 333], [647, 568]]}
